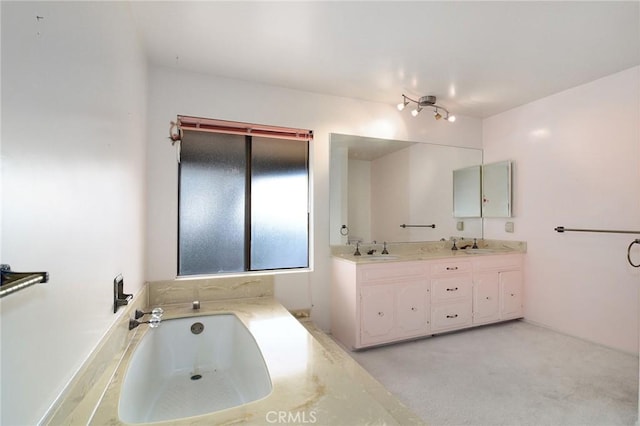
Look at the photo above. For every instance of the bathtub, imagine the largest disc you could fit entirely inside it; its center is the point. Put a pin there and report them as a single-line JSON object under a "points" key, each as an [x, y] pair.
{"points": [[192, 366]]}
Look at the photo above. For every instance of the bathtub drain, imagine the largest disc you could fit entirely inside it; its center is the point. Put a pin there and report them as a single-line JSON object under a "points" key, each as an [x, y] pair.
{"points": [[196, 377], [197, 327]]}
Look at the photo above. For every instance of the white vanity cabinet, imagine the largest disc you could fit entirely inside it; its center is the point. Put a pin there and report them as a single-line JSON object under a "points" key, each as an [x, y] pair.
{"points": [[373, 303]]}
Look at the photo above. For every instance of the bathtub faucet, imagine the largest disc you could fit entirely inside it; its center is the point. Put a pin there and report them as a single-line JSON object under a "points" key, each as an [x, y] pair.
{"points": [[155, 312], [153, 322]]}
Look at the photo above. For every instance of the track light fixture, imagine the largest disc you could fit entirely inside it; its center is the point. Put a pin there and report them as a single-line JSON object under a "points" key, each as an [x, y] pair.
{"points": [[426, 101]]}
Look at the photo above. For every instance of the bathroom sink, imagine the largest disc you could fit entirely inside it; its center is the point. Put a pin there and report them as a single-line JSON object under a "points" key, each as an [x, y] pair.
{"points": [[479, 251], [380, 257]]}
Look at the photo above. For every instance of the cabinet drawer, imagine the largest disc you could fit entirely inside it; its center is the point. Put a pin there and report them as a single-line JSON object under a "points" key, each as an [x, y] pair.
{"points": [[451, 315], [451, 289], [446, 268]]}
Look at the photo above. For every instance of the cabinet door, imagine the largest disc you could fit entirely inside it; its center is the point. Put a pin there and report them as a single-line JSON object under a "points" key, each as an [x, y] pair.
{"points": [[485, 297], [511, 289], [377, 312], [412, 309]]}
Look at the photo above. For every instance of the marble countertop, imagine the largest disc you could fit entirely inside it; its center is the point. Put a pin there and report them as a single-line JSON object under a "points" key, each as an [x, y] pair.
{"points": [[314, 380], [405, 252]]}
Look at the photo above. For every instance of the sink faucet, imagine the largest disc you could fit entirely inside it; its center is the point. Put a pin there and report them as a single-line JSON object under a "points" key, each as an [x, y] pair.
{"points": [[384, 249], [371, 251]]}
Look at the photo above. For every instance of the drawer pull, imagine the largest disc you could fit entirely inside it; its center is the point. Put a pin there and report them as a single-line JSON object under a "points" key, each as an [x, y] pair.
{"points": [[452, 316], [452, 268], [380, 314], [453, 289]]}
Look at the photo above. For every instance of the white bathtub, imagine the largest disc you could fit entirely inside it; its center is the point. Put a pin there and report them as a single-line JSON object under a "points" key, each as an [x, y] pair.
{"points": [[175, 373]]}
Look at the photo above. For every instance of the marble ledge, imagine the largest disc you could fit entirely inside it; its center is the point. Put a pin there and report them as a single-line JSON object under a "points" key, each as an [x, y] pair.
{"points": [[186, 290]]}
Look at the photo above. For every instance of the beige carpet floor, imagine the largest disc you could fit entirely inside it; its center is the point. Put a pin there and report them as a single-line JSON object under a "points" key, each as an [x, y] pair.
{"points": [[513, 373]]}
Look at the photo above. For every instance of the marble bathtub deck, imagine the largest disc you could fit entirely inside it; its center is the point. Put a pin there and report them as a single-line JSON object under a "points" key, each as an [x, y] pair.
{"points": [[314, 380]]}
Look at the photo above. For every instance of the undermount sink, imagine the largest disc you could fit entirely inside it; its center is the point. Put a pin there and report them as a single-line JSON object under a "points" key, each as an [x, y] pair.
{"points": [[479, 251], [380, 257]]}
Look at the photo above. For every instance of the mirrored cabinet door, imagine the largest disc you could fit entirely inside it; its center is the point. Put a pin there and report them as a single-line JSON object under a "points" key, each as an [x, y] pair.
{"points": [[496, 189], [483, 191]]}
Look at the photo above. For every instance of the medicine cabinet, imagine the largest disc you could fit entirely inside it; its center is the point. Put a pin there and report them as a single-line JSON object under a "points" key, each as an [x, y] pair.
{"points": [[483, 191]]}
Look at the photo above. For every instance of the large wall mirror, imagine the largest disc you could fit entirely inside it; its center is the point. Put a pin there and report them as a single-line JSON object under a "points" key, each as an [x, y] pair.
{"points": [[377, 185]]}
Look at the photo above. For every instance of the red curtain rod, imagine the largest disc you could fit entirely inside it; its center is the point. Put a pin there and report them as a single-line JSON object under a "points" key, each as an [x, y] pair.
{"points": [[236, 128]]}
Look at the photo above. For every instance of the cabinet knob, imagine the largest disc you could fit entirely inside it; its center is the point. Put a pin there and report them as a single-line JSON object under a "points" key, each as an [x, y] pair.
{"points": [[380, 314], [452, 268], [413, 309], [488, 298], [452, 289], [452, 316], [512, 294]]}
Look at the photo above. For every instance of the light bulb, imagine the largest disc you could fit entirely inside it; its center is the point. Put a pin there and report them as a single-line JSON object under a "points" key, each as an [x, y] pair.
{"points": [[416, 111], [437, 115], [401, 106], [451, 118]]}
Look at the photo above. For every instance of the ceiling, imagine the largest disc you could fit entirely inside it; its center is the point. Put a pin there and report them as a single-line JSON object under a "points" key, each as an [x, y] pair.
{"points": [[479, 58]]}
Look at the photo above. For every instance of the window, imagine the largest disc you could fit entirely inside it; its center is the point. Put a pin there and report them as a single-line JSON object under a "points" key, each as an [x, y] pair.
{"points": [[243, 199]]}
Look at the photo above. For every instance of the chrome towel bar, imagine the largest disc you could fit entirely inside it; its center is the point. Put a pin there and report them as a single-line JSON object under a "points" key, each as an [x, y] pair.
{"points": [[608, 231], [433, 225]]}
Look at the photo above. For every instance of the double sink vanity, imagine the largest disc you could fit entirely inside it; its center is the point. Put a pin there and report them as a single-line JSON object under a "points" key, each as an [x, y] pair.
{"points": [[389, 190], [421, 289]]}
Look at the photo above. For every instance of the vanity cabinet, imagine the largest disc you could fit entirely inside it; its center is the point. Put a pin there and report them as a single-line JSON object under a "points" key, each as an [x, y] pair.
{"points": [[383, 302]]}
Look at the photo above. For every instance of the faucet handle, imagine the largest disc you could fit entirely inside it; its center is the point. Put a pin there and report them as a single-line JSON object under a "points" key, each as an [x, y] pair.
{"points": [[384, 248], [357, 252], [156, 312]]}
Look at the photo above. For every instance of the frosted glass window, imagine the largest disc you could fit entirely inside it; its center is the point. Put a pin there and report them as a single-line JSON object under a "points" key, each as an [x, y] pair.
{"points": [[279, 204], [212, 203], [243, 204]]}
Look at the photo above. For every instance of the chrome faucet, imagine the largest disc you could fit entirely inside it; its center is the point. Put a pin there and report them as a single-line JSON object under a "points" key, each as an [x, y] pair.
{"points": [[154, 321]]}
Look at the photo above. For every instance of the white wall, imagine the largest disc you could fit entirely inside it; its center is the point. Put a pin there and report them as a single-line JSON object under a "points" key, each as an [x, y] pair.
{"points": [[73, 132], [577, 164], [175, 92]]}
